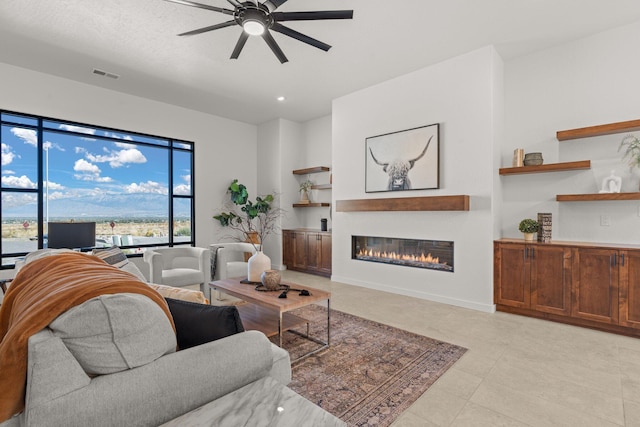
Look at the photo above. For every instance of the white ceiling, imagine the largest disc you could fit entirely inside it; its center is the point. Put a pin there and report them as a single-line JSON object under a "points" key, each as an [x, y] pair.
{"points": [[137, 40]]}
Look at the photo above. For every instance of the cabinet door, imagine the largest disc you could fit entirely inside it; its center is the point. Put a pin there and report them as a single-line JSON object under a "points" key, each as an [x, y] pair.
{"points": [[287, 248], [550, 279], [629, 262], [313, 251], [325, 253], [300, 250], [595, 285], [511, 275]]}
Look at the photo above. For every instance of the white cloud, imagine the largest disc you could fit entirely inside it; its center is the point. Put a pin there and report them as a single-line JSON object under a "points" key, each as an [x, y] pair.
{"points": [[147, 187], [78, 129], [12, 200], [47, 145], [88, 172], [56, 195], [7, 154], [95, 178], [8, 172], [182, 190], [116, 136], [13, 181], [131, 155], [27, 135], [54, 186], [81, 165], [119, 158], [124, 145]]}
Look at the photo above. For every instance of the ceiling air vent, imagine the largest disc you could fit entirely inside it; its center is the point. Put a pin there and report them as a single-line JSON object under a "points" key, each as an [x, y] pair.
{"points": [[105, 74]]}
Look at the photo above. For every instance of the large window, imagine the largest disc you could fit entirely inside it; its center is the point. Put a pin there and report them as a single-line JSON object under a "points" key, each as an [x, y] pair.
{"points": [[137, 188]]}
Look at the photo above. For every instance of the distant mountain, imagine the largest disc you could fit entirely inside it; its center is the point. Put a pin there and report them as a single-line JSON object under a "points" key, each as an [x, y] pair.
{"points": [[111, 206]]}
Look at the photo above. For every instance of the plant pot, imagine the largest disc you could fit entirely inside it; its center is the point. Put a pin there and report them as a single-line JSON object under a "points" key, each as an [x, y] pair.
{"points": [[257, 264], [528, 237], [533, 159], [304, 198]]}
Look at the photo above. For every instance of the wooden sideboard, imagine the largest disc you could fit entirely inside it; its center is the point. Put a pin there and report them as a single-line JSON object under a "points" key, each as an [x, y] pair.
{"points": [[583, 284], [307, 250]]}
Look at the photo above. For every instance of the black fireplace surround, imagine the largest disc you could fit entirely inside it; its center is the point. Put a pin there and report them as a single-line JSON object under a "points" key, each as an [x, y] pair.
{"points": [[430, 254]]}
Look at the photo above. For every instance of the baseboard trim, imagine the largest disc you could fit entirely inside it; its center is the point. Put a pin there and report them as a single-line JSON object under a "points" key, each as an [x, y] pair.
{"points": [[486, 308]]}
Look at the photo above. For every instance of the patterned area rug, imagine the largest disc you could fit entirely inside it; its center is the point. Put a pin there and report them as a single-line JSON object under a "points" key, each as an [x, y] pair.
{"points": [[371, 373]]}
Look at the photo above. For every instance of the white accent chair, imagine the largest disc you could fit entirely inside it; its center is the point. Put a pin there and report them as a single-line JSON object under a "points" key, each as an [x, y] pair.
{"points": [[228, 260], [180, 266]]}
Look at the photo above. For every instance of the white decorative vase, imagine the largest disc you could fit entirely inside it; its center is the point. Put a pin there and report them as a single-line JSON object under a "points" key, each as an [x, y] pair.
{"points": [[258, 263], [528, 237]]}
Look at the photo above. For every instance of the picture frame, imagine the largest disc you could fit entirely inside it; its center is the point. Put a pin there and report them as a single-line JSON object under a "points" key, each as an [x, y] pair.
{"points": [[403, 160]]}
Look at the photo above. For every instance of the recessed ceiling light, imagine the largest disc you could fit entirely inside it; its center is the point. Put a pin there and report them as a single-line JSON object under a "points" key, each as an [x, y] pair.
{"points": [[281, 98]]}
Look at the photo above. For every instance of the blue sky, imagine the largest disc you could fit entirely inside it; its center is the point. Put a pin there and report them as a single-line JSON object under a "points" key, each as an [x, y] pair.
{"points": [[85, 168]]}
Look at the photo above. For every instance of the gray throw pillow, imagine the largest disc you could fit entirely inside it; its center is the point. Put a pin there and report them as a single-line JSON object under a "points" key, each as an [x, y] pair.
{"points": [[114, 256], [112, 333]]}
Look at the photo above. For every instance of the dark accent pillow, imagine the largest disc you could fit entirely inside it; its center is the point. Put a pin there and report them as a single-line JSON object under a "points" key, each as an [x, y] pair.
{"points": [[198, 324]]}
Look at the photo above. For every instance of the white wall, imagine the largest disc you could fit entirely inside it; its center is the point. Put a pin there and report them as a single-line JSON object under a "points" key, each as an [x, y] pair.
{"points": [[300, 146], [282, 139], [588, 82], [224, 149], [464, 95], [317, 152]]}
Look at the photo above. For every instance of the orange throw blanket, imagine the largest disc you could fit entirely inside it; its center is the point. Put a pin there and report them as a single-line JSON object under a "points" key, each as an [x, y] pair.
{"points": [[41, 291]]}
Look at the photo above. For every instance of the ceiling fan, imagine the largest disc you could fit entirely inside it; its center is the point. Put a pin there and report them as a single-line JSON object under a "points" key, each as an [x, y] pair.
{"points": [[257, 19]]}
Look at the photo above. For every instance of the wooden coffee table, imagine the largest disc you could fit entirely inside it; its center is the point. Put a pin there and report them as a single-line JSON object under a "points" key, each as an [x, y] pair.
{"points": [[269, 314]]}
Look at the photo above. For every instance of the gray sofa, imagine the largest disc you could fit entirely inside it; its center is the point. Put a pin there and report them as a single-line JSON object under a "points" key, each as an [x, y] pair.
{"points": [[60, 392]]}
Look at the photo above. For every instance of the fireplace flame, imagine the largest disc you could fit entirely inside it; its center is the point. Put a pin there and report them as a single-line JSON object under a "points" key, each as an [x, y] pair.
{"points": [[400, 257]]}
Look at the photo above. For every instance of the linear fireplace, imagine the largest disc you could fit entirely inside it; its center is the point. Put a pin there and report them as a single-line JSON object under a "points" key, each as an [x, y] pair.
{"points": [[431, 254]]}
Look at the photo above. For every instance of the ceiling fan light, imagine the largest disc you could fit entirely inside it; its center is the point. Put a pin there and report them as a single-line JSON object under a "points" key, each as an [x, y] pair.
{"points": [[253, 27]]}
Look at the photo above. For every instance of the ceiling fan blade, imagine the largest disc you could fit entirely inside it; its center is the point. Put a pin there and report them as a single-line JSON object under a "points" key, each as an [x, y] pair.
{"points": [[274, 4], [299, 36], [209, 28], [274, 47], [241, 41], [310, 16], [202, 6], [234, 3]]}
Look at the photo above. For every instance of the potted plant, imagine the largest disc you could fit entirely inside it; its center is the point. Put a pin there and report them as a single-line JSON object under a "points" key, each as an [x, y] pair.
{"points": [[528, 227], [249, 218], [305, 186], [632, 151]]}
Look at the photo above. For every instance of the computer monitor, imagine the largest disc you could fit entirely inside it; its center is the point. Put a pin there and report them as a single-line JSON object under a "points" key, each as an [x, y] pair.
{"points": [[71, 235]]}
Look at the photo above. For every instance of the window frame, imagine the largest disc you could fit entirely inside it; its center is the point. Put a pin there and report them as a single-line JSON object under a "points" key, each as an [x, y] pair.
{"points": [[173, 145]]}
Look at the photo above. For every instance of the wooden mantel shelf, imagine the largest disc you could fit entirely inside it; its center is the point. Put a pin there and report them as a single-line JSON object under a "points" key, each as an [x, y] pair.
{"points": [[550, 167], [597, 197], [608, 129], [430, 203]]}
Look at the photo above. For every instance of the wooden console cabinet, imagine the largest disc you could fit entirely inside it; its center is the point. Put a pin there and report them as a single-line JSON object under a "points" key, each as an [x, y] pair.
{"points": [[583, 284], [307, 250]]}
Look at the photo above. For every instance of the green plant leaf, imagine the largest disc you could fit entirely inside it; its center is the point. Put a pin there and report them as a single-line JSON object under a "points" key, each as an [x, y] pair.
{"points": [[239, 193]]}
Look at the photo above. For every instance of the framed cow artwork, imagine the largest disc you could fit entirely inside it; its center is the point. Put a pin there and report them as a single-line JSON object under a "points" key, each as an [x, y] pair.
{"points": [[403, 160]]}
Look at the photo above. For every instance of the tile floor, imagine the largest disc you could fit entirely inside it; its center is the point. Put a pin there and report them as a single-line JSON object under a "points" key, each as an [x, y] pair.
{"points": [[517, 371]]}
